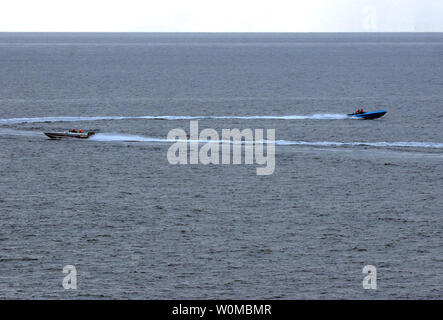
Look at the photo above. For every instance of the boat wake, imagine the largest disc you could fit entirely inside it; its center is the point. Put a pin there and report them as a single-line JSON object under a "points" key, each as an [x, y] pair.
{"points": [[57, 119], [381, 144], [317, 116], [23, 133], [116, 137], [109, 137]]}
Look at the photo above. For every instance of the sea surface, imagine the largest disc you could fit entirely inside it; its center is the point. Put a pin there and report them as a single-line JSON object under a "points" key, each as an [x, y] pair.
{"points": [[345, 193]]}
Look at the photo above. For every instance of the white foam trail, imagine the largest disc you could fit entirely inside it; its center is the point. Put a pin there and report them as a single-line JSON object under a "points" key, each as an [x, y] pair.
{"points": [[109, 137], [133, 138], [172, 117], [57, 119], [370, 144], [318, 116], [24, 133]]}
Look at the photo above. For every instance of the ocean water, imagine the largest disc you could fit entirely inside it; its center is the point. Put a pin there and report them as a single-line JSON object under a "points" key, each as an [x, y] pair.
{"points": [[345, 193]]}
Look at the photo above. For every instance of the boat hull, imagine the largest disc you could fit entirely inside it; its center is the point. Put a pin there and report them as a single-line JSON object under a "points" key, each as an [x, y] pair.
{"points": [[368, 115], [67, 135]]}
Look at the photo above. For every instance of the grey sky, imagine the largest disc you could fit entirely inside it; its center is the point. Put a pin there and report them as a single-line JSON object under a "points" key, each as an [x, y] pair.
{"points": [[222, 16]]}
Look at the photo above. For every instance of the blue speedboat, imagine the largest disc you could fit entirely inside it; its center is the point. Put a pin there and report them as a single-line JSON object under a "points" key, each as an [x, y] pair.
{"points": [[368, 115]]}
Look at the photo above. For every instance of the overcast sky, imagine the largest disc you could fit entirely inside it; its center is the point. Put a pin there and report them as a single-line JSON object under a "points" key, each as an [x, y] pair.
{"points": [[222, 15]]}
